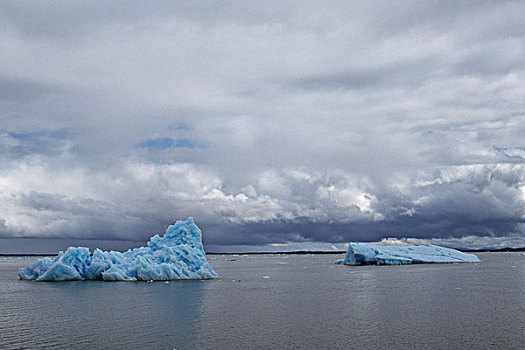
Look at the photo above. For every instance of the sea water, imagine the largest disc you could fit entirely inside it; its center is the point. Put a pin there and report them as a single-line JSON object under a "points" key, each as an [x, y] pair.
{"points": [[275, 302]]}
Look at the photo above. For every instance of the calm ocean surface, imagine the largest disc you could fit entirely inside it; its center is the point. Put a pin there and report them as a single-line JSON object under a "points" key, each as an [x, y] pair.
{"points": [[275, 302]]}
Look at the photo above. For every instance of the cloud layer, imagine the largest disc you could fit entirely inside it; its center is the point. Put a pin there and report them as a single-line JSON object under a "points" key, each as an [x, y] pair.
{"points": [[268, 124]]}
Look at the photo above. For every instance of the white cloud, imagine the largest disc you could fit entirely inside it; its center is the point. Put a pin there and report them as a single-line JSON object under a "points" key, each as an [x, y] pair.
{"points": [[404, 118]]}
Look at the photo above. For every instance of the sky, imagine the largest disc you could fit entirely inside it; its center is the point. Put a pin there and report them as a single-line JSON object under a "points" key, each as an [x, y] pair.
{"points": [[270, 123]]}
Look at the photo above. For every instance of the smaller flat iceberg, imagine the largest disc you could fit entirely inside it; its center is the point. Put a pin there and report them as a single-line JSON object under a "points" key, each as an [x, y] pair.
{"points": [[371, 254], [177, 255]]}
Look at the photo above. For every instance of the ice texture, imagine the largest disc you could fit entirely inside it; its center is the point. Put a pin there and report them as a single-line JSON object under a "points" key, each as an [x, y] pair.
{"points": [[370, 254], [178, 254]]}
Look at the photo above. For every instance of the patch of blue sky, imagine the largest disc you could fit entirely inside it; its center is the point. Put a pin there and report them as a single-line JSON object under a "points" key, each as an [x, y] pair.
{"points": [[163, 143], [38, 135], [60, 133], [511, 152], [179, 126], [26, 136]]}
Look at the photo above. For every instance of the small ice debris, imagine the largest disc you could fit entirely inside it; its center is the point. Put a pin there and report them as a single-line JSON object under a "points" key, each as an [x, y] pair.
{"points": [[458, 288], [340, 261], [178, 254], [266, 277], [167, 282], [370, 254]]}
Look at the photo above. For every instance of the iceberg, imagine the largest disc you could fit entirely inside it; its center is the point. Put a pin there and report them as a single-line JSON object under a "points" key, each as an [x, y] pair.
{"points": [[178, 255], [370, 254]]}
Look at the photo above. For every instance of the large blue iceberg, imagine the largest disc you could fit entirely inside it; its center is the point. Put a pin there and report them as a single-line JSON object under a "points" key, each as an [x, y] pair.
{"points": [[178, 254], [370, 254]]}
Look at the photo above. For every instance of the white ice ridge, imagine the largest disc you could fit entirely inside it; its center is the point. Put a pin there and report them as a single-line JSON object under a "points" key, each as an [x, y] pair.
{"points": [[370, 254], [178, 254]]}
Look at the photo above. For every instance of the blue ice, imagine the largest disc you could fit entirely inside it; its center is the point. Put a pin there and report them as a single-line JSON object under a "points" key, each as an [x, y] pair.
{"points": [[178, 254], [370, 254]]}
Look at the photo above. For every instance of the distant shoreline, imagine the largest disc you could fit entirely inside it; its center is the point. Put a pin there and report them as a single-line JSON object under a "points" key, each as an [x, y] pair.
{"points": [[300, 252], [482, 250]]}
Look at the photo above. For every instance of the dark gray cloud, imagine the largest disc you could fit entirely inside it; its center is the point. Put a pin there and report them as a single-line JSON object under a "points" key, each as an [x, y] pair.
{"points": [[299, 122]]}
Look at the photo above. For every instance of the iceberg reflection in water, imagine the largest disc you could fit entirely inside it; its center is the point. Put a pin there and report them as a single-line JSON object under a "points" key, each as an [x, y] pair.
{"points": [[308, 303]]}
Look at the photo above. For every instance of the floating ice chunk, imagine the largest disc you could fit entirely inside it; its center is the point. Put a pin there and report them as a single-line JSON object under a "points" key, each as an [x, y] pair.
{"points": [[178, 254], [340, 261], [370, 254]]}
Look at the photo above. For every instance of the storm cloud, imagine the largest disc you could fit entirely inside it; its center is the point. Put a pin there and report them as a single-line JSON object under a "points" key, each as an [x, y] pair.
{"points": [[269, 123]]}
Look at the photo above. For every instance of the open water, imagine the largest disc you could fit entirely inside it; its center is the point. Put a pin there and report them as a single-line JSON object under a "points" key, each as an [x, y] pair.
{"points": [[275, 302]]}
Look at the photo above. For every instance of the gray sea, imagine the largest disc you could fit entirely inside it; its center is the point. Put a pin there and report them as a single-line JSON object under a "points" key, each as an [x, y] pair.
{"points": [[275, 302]]}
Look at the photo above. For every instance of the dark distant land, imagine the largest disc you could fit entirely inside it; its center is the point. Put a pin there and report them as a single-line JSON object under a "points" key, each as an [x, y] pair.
{"points": [[478, 250], [298, 252]]}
